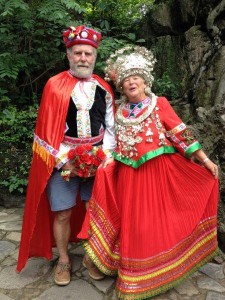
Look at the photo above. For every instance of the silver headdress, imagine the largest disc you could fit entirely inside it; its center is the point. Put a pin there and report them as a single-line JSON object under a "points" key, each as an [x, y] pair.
{"points": [[130, 60]]}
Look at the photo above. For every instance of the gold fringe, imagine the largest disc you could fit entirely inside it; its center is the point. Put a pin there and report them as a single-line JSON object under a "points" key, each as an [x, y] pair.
{"points": [[44, 155]]}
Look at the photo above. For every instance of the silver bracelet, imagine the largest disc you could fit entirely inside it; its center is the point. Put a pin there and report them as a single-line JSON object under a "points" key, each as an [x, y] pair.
{"points": [[205, 160]]}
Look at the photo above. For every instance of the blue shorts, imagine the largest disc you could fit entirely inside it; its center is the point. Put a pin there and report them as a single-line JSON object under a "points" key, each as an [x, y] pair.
{"points": [[62, 194]]}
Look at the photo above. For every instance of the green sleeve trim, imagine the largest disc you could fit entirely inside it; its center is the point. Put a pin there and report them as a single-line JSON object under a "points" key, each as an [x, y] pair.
{"points": [[194, 147], [149, 155]]}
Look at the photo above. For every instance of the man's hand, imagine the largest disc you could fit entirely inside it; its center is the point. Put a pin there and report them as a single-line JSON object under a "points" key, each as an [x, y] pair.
{"points": [[68, 166]]}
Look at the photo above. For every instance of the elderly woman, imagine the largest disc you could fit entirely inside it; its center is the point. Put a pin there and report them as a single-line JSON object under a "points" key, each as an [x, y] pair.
{"points": [[152, 219]]}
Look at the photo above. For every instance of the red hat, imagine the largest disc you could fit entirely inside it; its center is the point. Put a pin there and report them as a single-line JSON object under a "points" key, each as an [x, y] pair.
{"points": [[81, 35]]}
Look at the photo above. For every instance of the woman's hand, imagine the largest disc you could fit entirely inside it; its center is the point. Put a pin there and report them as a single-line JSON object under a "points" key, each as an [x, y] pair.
{"points": [[206, 162], [106, 162], [213, 168]]}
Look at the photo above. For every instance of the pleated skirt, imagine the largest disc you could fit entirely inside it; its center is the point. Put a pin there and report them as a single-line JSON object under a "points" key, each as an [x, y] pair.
{"points": [[152, 226]]}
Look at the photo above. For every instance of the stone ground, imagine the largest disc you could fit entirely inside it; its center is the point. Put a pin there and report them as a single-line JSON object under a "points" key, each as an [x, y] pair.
{"points": [[35, 281]]}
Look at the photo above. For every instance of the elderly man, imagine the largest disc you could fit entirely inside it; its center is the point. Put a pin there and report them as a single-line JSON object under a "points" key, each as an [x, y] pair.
{"points": [[76, 111]]}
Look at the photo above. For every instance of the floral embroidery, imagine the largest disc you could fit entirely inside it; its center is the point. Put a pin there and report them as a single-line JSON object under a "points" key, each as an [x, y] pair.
{"points": [[176, 129], [45, 145], [83, 106], [188, 136]]}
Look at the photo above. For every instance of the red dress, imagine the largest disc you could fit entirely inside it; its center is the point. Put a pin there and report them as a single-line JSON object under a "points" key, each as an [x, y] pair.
{"points": [[152, 219]]}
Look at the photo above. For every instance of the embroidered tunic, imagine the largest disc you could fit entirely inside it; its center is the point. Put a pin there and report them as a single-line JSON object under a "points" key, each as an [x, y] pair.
{"points": [[90, 119], [155, 129]]}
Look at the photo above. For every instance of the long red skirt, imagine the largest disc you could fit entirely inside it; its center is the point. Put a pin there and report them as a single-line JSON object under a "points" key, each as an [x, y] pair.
{"points": [[152, 226]]}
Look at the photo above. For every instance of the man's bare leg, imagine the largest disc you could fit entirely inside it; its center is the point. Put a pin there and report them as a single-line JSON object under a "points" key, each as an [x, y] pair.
{"points": [[61, 229], [86, 204]]}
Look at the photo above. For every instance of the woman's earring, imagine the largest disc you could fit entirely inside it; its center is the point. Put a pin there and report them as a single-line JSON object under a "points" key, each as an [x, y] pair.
{"points": [[148, 91]]}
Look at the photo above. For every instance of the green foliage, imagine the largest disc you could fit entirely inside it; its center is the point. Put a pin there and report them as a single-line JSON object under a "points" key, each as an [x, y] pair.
{"points": [[17, 126], [16, 136], [30, 45], [4, 99], [169, 76], [9, 68], [10, 6], [116, 16], [59, 13], [17, 178], [165, 87]]}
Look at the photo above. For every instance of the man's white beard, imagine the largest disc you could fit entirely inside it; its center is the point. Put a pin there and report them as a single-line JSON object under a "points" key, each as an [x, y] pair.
{"points": [[82, 72]]}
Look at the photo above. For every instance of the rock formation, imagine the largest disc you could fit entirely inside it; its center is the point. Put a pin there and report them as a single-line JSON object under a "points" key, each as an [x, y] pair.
{"points": [[188, 37]]}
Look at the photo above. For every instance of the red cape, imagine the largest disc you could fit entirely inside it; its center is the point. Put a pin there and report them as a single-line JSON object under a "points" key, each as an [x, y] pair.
{"points": [[37, 236]]}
